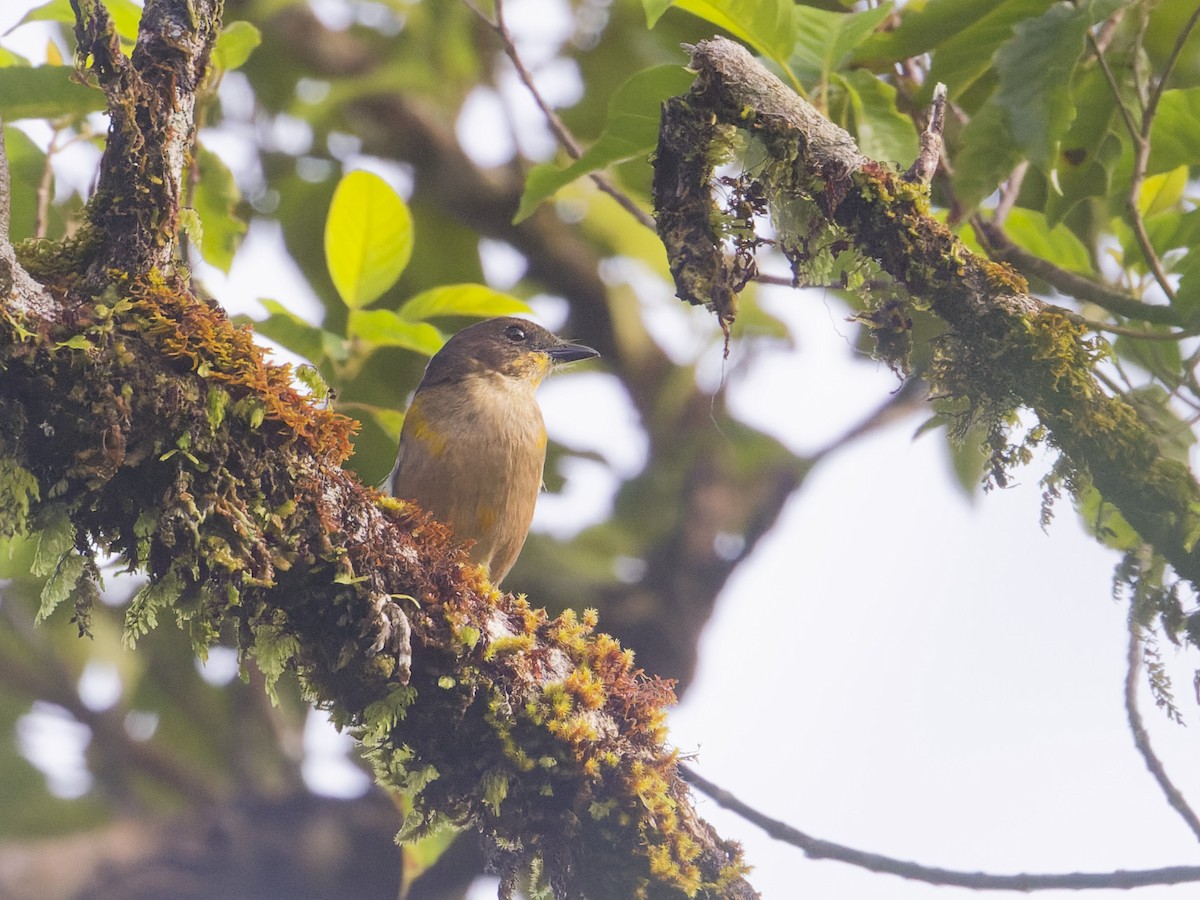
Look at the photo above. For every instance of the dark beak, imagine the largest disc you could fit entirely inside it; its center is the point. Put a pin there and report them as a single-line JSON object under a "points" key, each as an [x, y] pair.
{"points": [[566, 353]]}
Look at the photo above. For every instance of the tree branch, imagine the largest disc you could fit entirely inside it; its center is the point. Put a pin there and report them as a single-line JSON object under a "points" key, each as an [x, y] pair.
{"points": [[1141, 739], [816, 848], [1003, 347]]}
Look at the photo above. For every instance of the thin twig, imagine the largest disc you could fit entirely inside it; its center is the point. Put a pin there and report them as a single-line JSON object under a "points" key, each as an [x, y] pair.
{"points": [[1000, 247], [925, 166], [1141, 739], [1141, 160], [559, 128], [816, 848]]}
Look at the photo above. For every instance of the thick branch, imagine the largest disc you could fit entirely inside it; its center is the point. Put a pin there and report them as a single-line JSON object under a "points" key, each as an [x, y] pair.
{"points": [[134, 214], [1003, 347]]}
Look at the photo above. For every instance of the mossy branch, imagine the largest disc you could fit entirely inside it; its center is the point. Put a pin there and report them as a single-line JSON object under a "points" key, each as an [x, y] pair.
{"points": [[1003, 348], [137, 420]]}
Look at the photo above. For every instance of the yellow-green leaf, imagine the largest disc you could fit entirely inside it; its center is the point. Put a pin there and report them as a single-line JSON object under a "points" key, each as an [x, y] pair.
{"points": [[1160, 193], [461, 300], [368, 238], [235, 44]]}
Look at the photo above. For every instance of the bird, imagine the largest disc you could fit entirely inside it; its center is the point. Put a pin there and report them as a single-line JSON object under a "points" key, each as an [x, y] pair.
{"points": [[473, 443]]}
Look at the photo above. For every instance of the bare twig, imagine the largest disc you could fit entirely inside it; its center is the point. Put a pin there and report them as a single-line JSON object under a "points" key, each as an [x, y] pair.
{"points": [[1000, 247], [816, 848], [1141, 739], [561, 132], [1141, 159], [924, 167]]}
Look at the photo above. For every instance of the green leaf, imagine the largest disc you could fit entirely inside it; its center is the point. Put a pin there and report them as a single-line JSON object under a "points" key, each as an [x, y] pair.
{"points": [[125, 15], [987, 156], [289, 330], [45, 92], [1175, 133], [26, 163], [1161, 192], [54, 541], [155, 595], [825, 39], [769, 26], [966, 57], [387, 328], [924, 27], [61, 584], [630, 130], [1055, 244], [1187, 295], [234, 45], [461, 300], [216, 200], [9, 58], [368, 238], [882, 131], [1034, 69]]}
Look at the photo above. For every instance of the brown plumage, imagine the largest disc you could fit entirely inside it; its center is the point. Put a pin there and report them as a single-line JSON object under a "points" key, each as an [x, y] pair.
{"points": [[473, 444]]}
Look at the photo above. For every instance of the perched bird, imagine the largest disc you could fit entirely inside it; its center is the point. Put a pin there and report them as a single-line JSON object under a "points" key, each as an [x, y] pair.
{"points": [[473, 444]]}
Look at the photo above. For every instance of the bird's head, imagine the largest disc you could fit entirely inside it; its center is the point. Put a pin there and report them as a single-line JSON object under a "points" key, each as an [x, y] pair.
{"points": [[514, 348]]}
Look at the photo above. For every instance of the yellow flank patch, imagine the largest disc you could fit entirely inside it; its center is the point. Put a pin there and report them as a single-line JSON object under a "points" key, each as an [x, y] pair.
{"points": [[486, 517], [434, 440]]}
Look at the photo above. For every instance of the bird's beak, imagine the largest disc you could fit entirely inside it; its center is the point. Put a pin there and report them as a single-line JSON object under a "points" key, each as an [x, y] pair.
{"points": [[567, 352]]}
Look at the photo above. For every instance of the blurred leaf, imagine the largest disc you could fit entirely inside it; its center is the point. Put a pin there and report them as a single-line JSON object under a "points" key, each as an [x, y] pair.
{"points": [[9, 58], [1187, 295], [631, 130], [368, 238], [766, 25], [883, 133], [235, 43], [1104, 521], [923, 27], [215, 200], [986, 157], [126, 16], [1161, 192], [1035, 69], [45, 92], [824, 39], [26, 162], [1056, 244], [1175, 133], [965, 58], [461, 300], [387, 328], [289, 330]]}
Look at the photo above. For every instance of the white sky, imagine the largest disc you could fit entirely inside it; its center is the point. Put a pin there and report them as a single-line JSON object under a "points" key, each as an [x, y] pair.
{"points": [[906, 672]]}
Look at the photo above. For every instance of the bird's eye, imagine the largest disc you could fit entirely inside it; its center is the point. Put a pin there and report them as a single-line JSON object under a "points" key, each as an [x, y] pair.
{"points": [[515, 333]]}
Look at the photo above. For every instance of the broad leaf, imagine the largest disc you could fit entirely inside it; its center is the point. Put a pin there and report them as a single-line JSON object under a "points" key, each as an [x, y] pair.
{"points": [[1175, 134], [631, 130], [368, 238], [45, 92], [1056, 244], [461, 300], [766, 25], [882, 132], [825, 39], [215, 200], [303, 338], [235, 43], [387, 328], [126, 16]]}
